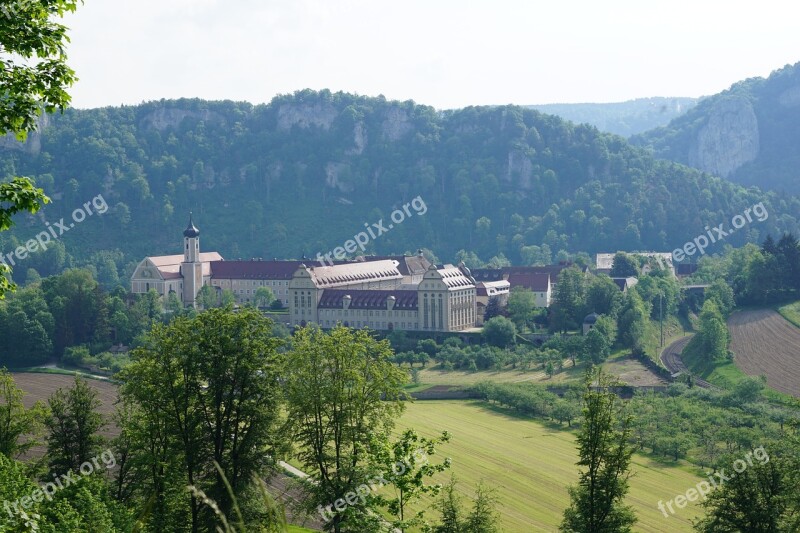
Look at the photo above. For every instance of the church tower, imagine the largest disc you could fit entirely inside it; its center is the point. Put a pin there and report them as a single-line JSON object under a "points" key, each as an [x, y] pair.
{"points": [[191, 268]]}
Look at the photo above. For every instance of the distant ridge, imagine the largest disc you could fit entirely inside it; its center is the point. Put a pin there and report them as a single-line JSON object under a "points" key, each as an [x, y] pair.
{"points": [[749, 133], [623, 118]]}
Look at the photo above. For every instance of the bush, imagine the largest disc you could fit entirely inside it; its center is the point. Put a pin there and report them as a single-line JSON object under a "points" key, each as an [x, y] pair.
{"points": [[76, 356]]}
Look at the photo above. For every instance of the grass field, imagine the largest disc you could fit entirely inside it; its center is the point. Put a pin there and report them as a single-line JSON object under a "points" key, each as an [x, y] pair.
{"points": [[531, 464], [791, 312], [621, 364]]}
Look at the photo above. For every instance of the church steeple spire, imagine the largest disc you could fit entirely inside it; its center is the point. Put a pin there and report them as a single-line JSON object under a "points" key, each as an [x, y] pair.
{"points": [[192, 266], [191, 231]]}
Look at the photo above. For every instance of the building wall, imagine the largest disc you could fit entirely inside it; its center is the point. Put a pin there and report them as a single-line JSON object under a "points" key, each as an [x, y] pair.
{"points": [[440, 308], [378, 319], [245, 289], [544, 299]]}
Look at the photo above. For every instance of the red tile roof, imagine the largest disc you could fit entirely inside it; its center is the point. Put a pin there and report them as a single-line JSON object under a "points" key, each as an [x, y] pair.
{"points": [[496, 274], [536, 282], [254, 269]]}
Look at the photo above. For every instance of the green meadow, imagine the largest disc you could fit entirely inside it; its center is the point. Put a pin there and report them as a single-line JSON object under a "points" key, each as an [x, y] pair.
{"points": [[531, 464]]}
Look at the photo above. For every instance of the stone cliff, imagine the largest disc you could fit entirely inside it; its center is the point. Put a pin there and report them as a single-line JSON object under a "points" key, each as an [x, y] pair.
{"points": [[728, 140]]}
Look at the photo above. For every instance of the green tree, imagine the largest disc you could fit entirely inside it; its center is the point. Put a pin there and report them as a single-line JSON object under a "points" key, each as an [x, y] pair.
{"points": [[633, 322], [760, 499], [173, 304], [624, 265], [82, 506], [606, 326], [484, 516], [565, 411], [451, 509], [207, 297], [209, 385], [38, 82], [78, 307], [264, 296], [596, 347], [660, 293], [227, 298], [406, 464], [569, 300], [603, 296], [344, 395], [722, 294], [713, 332], [73, 424], [428, 346], [597, 502], [499, 331], [493, 309], [16, 421], [521, 306]]}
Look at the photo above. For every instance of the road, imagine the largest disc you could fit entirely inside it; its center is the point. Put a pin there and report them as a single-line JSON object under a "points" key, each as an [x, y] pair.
{"points": [[671, 359]]}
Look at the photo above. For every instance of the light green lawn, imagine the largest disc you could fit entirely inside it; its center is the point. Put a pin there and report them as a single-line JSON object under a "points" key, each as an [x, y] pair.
{"points": [[532, 463], [791, 312]]}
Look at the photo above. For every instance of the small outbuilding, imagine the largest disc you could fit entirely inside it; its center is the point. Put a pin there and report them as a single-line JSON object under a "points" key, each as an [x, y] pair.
{"points": [[589, 322]]}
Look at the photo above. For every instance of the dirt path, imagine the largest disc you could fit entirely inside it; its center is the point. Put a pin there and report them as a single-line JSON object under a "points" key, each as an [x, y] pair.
{"points": [[765, 343], [671, 359]]}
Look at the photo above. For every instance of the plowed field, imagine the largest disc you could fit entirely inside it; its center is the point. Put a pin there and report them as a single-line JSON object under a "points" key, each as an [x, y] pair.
{"points": [[766, 344], [39, 387]]}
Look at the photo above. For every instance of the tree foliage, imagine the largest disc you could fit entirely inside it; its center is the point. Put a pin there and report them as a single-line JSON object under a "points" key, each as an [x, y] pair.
{"points": [[73, 423], [204, 390], [597, 501], [624, 265], [19, 426], [344, 395], [34, 77], [499, 331]]}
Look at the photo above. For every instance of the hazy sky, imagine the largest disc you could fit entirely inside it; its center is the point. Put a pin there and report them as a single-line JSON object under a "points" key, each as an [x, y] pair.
{"points": [[441, 53]]}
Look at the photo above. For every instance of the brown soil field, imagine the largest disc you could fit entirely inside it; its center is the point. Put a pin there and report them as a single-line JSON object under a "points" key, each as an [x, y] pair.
{"points": [[765, 343], [39, 387]]}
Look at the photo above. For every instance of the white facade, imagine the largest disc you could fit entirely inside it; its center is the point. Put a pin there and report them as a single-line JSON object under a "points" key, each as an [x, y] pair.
{"points": [[373, 295]]}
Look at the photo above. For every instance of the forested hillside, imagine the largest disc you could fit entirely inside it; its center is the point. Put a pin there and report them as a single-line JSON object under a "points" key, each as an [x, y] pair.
{"points": [[306, 172], [749, 133], [623, 118]]}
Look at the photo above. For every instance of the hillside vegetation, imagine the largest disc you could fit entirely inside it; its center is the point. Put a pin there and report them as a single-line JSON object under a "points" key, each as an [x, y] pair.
{"points": [[307, 171]]}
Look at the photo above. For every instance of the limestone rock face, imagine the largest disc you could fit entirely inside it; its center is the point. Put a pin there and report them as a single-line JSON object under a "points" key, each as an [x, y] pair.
{"points": [[396, 124], [32, 143], [171, 117], [359, 139], [520, 169], [728, 140], [333, 173], [305, 115]]}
